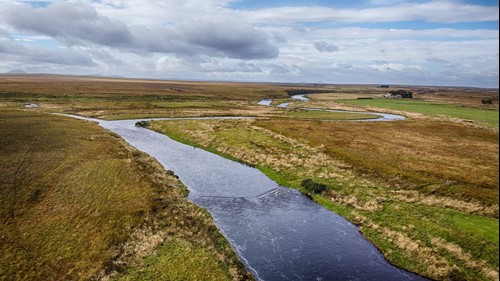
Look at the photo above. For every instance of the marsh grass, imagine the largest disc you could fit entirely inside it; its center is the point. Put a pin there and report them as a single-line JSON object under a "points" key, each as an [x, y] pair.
{"points": [[75, 200], [440, 232]]}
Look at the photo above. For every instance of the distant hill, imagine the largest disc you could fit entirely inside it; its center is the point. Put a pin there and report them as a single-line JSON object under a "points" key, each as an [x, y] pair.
{"points": [[17, 71], [103, 75]]}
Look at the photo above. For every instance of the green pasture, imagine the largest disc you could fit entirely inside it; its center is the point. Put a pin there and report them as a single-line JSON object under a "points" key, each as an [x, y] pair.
{"points": [[483, 116]]}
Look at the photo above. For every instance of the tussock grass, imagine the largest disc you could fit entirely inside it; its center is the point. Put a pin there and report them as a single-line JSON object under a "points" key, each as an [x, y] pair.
{"points": [[77, 204], [433, 220]]}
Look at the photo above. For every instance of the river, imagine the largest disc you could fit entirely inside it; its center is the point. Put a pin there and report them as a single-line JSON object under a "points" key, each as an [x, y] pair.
{"points": [[278, 233], [302, 98]]}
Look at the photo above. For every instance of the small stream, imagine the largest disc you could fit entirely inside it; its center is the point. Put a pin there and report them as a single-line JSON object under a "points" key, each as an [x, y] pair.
{"points": [[278, 233]]}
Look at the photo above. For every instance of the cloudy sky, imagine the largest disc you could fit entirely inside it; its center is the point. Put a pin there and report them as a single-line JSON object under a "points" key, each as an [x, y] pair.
{"points": [[442, 42]]}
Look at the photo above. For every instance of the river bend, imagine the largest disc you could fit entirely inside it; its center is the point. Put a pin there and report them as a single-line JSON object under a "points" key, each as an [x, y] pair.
{"points": [[302, 98]]}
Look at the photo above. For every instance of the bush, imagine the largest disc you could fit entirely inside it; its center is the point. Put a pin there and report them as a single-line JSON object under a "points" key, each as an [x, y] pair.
{"points": [[294, 92], [402, 93], [312, 186], [142, 124], [487, 101]]}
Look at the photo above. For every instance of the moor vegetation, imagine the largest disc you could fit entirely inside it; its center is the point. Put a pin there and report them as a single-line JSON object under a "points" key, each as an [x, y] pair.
{"points": [[130, 98], [77, 203]]}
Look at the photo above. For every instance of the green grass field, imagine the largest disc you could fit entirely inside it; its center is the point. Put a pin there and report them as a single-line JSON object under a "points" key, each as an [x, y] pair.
{"points": [[483, 116]]}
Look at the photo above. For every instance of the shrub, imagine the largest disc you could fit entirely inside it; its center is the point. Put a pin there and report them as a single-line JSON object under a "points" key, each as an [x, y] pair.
{"points": [[487, 101], [142, 124], [402, 93], [293, 92], [312, 186]]}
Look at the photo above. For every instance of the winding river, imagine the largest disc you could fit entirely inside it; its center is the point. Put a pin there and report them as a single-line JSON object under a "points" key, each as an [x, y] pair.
{"points": [[381, 116], [278, 233]]}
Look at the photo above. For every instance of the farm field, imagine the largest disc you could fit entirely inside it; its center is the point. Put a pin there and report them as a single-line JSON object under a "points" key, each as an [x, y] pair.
{"points": [[423, 190]]}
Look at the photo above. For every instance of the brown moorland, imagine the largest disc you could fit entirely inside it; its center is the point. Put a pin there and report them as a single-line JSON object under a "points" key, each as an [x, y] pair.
{"points": [[77, 203]]}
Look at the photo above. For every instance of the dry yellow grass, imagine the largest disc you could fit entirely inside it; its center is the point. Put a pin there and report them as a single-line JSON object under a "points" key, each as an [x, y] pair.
{"points": [[435, 157]]}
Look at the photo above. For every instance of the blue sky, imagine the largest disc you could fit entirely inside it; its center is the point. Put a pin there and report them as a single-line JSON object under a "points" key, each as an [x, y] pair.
{"points": [[442, 42]]}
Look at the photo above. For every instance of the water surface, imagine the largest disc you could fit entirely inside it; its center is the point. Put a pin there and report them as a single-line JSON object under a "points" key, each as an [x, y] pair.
{"points": [[300, 97]]}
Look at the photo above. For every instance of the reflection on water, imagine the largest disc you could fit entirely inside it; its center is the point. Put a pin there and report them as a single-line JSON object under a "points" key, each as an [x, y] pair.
{"points": [[286, 236], [266, 102], [278, 233], [300, 98]]}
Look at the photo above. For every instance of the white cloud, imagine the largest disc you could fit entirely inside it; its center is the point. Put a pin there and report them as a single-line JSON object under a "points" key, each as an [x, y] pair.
{"points": [[325, 47], [434, 11], [32, 55], [168, 63], [395, 66], [204, 39], [81, 25]]}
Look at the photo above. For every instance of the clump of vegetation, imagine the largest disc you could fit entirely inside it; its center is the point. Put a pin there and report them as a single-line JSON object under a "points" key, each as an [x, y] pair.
{"points": [[487, 101], [294, 92], [401, 94], [312, 186], [142, 124]]}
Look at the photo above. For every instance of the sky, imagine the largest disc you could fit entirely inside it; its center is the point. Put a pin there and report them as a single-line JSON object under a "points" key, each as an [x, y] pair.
{"points": [[416, 42]]}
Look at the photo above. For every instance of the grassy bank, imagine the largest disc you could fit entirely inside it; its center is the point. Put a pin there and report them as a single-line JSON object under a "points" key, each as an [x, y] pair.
{"points": [[433, 220], [77, 203]]}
